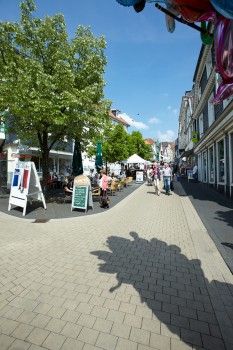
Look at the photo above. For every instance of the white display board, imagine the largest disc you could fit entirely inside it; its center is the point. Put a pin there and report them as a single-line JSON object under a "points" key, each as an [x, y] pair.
{"points": [[139, 176], [25, 185]]}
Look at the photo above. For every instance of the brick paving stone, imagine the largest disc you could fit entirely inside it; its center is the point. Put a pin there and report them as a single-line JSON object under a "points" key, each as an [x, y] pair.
{"points": [[191, 337], [8, 326], [124, 344], [106, 341], [40, 321], [121, 330], [86, 320], [94, 276], [88, 335], [54, 341], [99, 311], [177, 344], [37, 336], [71, 316], [212, 343], [5, 341], [72, 344], [22, 331], [19, 345], [140, 336], [151, 325], [133, 320], [103, 325], [127, 308], [160, 342], [26, 317], [55, 325], [71, 330], [116, 316]]}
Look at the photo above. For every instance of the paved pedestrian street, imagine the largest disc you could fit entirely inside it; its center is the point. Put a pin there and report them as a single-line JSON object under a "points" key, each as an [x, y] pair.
{"points": [[142, 275]]}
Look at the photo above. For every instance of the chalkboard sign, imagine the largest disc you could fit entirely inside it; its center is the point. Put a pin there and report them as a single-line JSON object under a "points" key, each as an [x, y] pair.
{"points": [[79, 198]]}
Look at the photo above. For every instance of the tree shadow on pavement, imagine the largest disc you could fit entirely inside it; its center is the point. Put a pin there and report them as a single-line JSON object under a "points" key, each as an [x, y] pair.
{"points": [[173, 287]]}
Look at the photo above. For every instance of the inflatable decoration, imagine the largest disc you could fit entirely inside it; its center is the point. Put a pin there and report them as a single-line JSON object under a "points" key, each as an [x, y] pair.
{"points": [[223, 40], [224, 7], [192, 10], [139, 6], [206, 38], [170, 21], [128, 2]]}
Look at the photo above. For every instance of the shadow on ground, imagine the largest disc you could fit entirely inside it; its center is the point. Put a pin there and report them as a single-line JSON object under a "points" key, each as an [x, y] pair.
{"points": [[173, 287]]}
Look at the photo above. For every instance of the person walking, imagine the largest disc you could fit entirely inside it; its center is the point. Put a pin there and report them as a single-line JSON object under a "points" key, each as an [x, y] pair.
{"points": [[156, 172], [167, 174], [104, 187], [195, 173]]}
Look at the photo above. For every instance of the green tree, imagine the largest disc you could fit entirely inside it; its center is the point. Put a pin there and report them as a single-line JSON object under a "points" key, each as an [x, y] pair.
{"points": [[52, 86], [115, 144], [138, 146]]}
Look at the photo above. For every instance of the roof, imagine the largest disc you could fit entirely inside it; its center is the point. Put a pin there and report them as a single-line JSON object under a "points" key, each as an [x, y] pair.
{"points": [[118, 119], [149, 141], [136, 159]]}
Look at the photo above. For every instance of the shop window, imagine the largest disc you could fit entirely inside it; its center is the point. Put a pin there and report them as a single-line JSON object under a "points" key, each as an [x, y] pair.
{"points": [[204, 167], [211, 114], [201, 126], [231, 157], [211, 165], [221, 161]]}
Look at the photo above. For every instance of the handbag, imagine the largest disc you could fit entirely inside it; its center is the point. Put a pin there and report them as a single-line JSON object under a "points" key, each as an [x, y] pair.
{"points": [[104, 200]]}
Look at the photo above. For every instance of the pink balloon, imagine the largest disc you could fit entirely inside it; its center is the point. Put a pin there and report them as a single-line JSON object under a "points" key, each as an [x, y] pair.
{"points": [[223, 40]]}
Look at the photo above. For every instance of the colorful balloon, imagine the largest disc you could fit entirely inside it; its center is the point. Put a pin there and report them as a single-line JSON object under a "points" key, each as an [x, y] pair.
{"points": [[223, 40], [128, 2], [192, 10], [224, 7]]}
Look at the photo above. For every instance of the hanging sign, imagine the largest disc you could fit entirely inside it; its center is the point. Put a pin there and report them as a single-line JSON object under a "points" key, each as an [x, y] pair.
{"points": [[82, 195], [194, 137], [25, 185]]}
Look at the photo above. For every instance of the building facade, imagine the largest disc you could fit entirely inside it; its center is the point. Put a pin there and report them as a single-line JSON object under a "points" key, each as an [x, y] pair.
{"points": [[205, 135], [60, 159]]}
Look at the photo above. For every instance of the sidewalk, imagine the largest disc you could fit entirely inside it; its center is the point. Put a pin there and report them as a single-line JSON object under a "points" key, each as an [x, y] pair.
{"points": [[216, 212], [143, 275]]}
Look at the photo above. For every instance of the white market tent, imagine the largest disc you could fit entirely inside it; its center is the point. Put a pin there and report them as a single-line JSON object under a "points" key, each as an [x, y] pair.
{"points": [[135, 159]]}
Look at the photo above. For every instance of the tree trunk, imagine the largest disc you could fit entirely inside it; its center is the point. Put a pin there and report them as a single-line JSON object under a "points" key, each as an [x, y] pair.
{"points": [[45, 161]]}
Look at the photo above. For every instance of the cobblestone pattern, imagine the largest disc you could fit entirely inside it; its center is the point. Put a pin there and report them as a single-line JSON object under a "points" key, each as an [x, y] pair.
{"points": [[144, 275]]}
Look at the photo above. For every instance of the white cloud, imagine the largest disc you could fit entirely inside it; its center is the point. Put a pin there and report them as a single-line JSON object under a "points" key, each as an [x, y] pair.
{"points": [[154, 121], [174, 110], [168, 135], [134, 123]]}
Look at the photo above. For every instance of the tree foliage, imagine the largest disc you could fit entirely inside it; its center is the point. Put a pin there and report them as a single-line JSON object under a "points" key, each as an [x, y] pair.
{"points": [[53, 86], [115, 144], [138, 146]]}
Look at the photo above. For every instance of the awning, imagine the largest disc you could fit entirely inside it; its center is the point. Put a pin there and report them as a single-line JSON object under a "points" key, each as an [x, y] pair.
{"points": [[187, 153]]}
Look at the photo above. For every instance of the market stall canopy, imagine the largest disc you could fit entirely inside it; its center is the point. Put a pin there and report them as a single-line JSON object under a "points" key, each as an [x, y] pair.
{"points": [[135, 159]]}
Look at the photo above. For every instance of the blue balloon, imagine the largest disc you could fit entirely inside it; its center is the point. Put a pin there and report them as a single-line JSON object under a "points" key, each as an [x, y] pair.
{"points": [[224, 7]]}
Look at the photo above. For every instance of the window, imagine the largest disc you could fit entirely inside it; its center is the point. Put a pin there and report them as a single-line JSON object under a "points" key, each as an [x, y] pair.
{"points": [[204, 168], [209, 65], [211, 164], [221, 161], [199, 93], [231, 157], [211, 115], [201, 128]]}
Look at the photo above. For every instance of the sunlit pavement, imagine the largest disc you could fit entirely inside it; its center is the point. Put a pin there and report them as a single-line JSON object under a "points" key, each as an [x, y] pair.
{"points": [[143, 275]]}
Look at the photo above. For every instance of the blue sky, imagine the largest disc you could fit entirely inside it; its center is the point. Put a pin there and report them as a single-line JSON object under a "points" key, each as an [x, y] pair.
{"points": [[149, 69]]}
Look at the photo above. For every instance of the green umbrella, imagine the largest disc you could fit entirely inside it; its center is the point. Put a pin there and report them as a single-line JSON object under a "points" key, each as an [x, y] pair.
{"points": [[99, 157], [77, 160]]}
